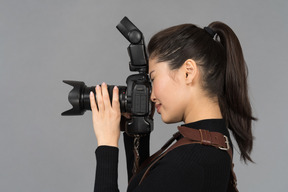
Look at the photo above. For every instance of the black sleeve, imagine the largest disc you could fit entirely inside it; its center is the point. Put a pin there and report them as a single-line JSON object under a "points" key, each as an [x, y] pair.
{"points": [[144, 151], [106, 169], [106, 178]]}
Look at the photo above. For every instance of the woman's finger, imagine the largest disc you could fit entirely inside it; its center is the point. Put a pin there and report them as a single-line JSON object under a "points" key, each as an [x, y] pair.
{"points": [[93, 102], [99, 98], [115, 99], [105, 94]]}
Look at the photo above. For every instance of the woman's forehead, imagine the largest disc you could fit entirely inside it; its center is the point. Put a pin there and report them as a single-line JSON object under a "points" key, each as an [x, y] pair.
{"points": [[154, 65]]}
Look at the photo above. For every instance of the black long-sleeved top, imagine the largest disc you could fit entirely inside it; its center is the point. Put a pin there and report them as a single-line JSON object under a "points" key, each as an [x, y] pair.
{"points": [[192, 167]]}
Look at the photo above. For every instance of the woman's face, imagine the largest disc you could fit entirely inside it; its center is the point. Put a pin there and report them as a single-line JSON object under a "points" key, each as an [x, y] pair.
{"points": [[168, 91]]}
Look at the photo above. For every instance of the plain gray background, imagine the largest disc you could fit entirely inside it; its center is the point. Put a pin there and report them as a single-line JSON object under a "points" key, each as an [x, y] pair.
{"points": [[43, 42]]}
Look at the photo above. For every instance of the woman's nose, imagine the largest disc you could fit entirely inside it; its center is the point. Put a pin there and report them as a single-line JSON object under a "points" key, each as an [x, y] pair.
{"points": [[152, 97]]}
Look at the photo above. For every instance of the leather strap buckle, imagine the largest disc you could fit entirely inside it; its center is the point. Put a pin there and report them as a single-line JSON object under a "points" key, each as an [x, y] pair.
{"points": [[205, 137], [227, 144]]}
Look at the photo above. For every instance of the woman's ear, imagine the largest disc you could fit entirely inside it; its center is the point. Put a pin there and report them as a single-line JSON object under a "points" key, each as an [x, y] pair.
{"points": [[190, 69]]}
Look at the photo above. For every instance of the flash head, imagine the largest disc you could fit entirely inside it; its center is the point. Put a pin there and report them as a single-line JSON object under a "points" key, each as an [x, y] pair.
{"points": [[136, 50], [129, 31]]}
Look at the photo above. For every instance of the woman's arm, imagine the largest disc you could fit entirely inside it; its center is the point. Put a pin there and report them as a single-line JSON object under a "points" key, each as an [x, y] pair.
{"points": [[106, 123]]}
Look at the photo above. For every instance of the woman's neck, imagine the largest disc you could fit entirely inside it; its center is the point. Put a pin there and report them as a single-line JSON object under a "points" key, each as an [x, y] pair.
{"points": [[205, 108]]}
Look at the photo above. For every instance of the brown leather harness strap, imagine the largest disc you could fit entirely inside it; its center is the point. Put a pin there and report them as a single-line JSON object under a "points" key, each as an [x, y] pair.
{"points": [[191, 136], [157, 154], [205, 137], [160, 151]]}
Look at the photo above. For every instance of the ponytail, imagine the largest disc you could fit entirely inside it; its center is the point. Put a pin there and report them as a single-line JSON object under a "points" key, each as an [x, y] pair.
{"points": [[234, 101]]}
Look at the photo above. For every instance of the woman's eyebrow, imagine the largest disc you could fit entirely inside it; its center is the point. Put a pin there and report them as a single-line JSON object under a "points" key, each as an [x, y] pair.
{"points": [[151, 73]]}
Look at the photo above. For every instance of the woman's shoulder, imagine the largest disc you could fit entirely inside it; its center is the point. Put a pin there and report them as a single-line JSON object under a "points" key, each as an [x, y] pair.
{"points": [[197, 155], [189, 165]]}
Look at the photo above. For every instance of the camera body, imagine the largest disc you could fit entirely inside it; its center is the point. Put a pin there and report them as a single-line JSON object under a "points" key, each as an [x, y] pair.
{"points": [[135, 97]]}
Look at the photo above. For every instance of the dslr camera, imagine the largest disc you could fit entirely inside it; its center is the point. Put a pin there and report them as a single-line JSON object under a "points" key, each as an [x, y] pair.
{"points": [[135, 97]]}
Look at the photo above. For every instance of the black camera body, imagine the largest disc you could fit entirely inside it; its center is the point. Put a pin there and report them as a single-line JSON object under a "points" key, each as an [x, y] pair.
{"points": [[135, 98]]}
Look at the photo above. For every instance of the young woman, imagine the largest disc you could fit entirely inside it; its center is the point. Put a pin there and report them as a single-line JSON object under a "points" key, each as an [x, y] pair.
{"points": [[199, 77]]}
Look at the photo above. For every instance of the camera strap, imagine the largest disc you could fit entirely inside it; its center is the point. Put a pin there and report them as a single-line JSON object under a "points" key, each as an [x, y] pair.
{"points": [[136, 154], [193, 136]]}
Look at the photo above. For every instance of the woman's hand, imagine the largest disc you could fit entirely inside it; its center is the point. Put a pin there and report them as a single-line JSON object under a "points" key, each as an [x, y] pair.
{"points": [[106, 117]]}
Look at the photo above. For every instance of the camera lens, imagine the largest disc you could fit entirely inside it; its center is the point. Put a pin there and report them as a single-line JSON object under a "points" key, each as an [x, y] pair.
{"points": [[80, 100]]}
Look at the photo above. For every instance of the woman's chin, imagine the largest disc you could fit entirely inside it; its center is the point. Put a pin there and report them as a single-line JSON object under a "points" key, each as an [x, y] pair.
{"points": [[168, 120], [164, 119]]}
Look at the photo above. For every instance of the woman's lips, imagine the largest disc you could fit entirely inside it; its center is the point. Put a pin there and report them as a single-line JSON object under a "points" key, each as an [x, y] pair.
{"points": [[158, 107]]}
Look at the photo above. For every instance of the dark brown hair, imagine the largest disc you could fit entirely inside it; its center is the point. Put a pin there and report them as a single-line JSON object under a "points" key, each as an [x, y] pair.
{"points": [[223, 69]]}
